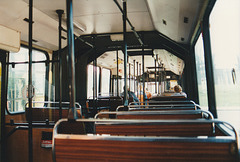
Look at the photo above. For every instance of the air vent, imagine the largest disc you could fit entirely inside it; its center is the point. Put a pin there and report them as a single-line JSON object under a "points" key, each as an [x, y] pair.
{"points": [[27, 20], [185, 20], [164, 22]]}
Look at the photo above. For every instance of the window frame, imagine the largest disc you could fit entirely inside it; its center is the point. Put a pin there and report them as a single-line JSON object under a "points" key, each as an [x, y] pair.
{"points": [[46, 89]]}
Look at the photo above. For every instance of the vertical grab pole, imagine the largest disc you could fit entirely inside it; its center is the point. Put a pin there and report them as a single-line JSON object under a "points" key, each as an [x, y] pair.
{"points": [[140, 82], [3, 105], [60, 12], [156, 75], [160, 79], [95, 87], [125, 52], [117, 75], [134, 75], [129, 74], [95, 82], [30, 32], [72, 115], [143, 77], [137, 81], [158, 89], [95, 90]]}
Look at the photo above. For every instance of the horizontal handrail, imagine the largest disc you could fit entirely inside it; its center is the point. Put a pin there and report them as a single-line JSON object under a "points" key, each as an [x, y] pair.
{"points": [[50, 107], [175, 112], [157, 138], [53, 102], [164, 105], [164, 102], [35, 124], [152, 107]]}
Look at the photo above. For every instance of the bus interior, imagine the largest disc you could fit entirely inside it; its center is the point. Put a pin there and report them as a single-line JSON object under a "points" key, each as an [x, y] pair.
{"points": [[82, 79]]}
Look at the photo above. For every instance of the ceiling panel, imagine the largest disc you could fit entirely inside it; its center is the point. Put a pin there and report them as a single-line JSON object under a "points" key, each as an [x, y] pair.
{"points": [[45, 29], [92, 16], [168, 17], [101, 16]]}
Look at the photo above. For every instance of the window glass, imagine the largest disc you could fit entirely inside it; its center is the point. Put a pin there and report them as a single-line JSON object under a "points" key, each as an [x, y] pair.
{"points": [[121, 86], [90, 81], [105, 83], [18, 79], [201, 75], [225, 41]]}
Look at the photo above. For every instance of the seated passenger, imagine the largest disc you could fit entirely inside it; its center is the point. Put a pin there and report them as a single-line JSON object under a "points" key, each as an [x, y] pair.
{"points": [[148, 93], [178, 91], [131, 94]]}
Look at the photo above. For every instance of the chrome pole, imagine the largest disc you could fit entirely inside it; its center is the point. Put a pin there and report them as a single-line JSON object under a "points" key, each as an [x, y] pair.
{"points": [[30, 95], [72, 115], [125, 52], [60, 12]]}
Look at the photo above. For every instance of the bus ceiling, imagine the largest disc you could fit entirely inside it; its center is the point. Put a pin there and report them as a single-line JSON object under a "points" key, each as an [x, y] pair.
{"points": [[176, 20]]}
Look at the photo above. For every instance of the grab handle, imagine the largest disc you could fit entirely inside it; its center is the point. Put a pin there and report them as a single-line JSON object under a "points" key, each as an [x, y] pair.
{"points": [[233, 75]]}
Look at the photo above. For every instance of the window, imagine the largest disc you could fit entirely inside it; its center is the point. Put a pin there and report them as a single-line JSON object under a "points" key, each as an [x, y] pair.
{"points": [[201, 75], [90, 81], [225, 41], [105, 83], [18, 79]]}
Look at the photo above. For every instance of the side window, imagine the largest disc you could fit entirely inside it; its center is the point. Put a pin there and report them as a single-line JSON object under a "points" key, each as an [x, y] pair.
{"points": [[18, 79], [201, 75], [90, 80], [105, 83], [225, 41]]}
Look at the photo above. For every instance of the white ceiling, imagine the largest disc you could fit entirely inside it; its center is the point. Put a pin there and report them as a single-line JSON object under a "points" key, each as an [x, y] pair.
{"points": [[173, 13], [169, 61], [101, 16], [108, 60]]}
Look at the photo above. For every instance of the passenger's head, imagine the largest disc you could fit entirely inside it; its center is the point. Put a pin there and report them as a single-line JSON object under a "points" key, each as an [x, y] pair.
{"points": [[124, 88], [177, 88]]}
